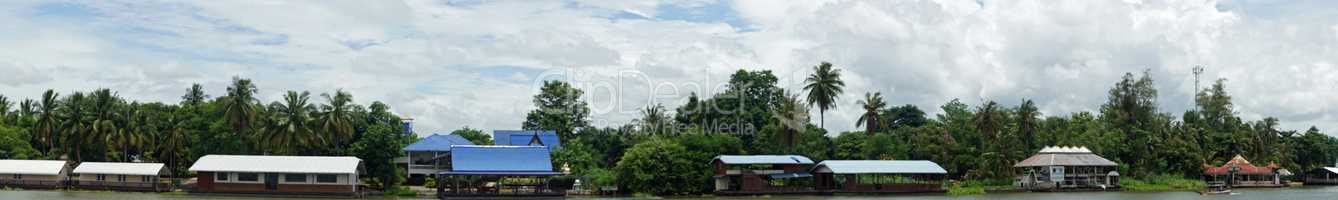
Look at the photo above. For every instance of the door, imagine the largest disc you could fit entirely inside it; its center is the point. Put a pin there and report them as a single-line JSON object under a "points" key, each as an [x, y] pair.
{"points": [[271, 181]]}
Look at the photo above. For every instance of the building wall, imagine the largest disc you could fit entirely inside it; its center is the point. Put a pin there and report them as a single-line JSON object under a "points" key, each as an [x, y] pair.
{"points": [[113, 178], [345, 183], [32, 177]]}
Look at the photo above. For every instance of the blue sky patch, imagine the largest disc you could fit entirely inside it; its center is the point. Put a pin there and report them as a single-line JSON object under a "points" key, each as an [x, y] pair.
{"points": [[64, 10]]}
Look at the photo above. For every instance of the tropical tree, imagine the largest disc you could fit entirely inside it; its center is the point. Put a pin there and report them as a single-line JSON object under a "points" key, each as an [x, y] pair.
{"points": [[792, 116], [239, 106], [336, 119], [174, 143], [48, 122], [1026, 123], [133, 136], [75, 122], [194, 96], [5, 107], [872, 104], [105, 106], [558, 107], [824, 87], [290, 129], [653, 120]]}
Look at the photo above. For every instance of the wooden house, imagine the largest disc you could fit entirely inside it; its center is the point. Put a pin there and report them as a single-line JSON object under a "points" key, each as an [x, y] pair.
{"points": [[1067, 168], [1238, 172], [303, 175], [44, 174], [762, 174], [879, 176], [120, 176]]}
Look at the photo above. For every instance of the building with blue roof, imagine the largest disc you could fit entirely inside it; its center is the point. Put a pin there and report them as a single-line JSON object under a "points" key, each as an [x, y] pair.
{"points": [[479, 171], [547, 138], [424, 157]]}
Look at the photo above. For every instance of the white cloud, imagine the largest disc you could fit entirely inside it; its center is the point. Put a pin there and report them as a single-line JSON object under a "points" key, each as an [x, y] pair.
{"points": [[478, 64]]}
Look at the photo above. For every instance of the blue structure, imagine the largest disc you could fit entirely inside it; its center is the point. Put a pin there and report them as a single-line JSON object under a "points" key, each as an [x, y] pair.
{"points": [[523, 138], [437, 142], [424, 158], [482, 171], [501, 160]]}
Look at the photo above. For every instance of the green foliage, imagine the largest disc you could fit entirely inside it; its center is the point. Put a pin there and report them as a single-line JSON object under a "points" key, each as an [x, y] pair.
{"points": [[662, 167], [579, 157], [558, 107], [1162, 182], [474, 135], [14, 144], [378, 148], [824, 86]]}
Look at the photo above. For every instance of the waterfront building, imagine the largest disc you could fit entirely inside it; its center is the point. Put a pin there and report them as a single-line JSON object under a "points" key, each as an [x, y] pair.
{"points": [[879, 176], [34, 173], [1238, 172], [1322, 176], [548, 138], [1067, 168], [499, 171], [424, 158], [120, 176], [306, 175], [762, 174]]}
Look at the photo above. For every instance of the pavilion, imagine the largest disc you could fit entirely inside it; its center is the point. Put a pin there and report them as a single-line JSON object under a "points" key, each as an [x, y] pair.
{"points": [[1238, 172], [1067, 168], [762, 174], [879, 176], [498, 171]]}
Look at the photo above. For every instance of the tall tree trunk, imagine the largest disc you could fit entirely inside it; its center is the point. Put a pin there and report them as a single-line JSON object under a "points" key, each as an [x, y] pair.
{"points": [[822, 119]]}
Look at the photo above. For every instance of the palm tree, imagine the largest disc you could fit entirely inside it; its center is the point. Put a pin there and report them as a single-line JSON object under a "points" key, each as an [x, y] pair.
{"points": [[653, 119], [239, 106], [173, 143], [133, 136], [291, 129], [824, 87], [872, 104], [792, 116], [105, 106], [337, 119], [47, 123], [194, 96], [5, 106], [75, 124]]}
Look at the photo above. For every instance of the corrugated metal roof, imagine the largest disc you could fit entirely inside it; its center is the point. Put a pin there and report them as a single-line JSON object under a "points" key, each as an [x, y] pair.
{"points": [[474, 158], [1332, 169], [437, 142], [522, 138], [763, 159], [277, 164], [144, 169], [36, 167], [1064, 159], [879, 167]]}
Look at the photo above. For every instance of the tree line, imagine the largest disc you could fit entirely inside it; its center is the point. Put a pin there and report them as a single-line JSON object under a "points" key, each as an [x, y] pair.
{"points": [[101, 126], [666, 152]]}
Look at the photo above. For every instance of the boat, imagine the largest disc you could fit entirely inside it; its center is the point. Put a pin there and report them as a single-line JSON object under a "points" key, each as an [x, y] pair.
{"points": [[1217, 190]]}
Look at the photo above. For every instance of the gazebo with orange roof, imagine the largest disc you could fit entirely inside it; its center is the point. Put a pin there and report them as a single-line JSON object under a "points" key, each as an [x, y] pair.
{"points": [[1242, 173]]}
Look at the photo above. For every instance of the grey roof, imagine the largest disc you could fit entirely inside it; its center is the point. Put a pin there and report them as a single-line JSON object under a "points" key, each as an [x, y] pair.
{"points": [[34, 167], [277, 164], [143, 169], [879, 167], [763, 159], [1065, 159]]}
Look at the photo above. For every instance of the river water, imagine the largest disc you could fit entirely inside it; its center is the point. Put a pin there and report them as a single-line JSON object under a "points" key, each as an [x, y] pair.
{"points": [[1301, 193]]}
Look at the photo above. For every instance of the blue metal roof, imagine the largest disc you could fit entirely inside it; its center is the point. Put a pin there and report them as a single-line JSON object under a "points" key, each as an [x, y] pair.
{"points": [[522, 138], [500, 159], [879, 167], [437, 142], [763, 159], [791, 175]]}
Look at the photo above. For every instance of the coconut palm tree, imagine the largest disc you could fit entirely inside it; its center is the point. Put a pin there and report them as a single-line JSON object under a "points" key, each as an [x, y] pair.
{"points": [[792, 116], [46, 128], [173, 144], [5, 106], [291, 129], [239, 106], [653, 119], [872, 104], [194, 96], [104, 108], [824, 86], [336, 118], [75, 123], [134, 135]]}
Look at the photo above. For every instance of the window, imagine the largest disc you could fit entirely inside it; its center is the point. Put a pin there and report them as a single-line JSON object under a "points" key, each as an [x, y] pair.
{"points": [[326, 178], [144, 179], [120, 178], [221, 176], [298, 178], [18, 177], [252, 177], [102, 177]]}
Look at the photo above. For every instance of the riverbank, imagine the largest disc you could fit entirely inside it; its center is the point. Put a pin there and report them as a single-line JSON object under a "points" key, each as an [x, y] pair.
{"points": [[1162, 183]]}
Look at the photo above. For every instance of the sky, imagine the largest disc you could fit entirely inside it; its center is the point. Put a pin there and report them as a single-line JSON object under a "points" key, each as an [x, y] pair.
{"points": [[471, 63]]}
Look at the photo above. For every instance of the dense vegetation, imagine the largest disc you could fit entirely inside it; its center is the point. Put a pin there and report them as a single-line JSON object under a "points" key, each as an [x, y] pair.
{"points": [[99, 125], [665, 154]]}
